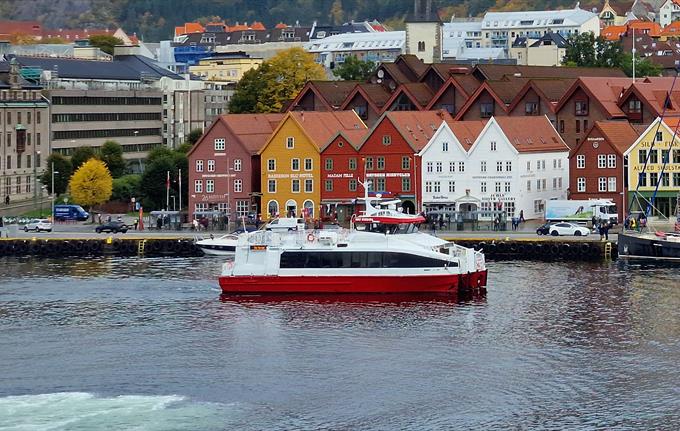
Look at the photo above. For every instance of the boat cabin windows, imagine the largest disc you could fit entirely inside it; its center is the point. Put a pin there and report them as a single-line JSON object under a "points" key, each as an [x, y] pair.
{"points": [[358, 259], [392, 229]]}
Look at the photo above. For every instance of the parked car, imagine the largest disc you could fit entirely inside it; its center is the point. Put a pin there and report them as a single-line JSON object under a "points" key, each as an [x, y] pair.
{"points": [[544, 229], [568, 229], [38, 225], [112, 226], [70, 212], [286, 224]]}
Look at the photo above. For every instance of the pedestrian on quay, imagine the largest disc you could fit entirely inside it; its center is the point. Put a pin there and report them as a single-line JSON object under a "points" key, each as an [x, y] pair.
{"points": [[441, 222], [7, 200], [434, 226], [600, 228], [496, 223], [633, 223], [606, 230], [521, 216], [626, 223], [136, 223]]}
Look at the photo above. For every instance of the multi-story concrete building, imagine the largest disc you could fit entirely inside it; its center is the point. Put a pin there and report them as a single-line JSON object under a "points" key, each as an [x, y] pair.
{"points": [[24, 135], [377, 47], [227, 66]]}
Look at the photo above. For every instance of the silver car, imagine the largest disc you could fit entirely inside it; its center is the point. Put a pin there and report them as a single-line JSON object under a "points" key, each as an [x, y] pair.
{"points": [[38, 225]]}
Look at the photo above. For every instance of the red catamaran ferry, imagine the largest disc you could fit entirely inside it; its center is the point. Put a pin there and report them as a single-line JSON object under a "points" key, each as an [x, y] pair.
{"points": [[382, 252]]}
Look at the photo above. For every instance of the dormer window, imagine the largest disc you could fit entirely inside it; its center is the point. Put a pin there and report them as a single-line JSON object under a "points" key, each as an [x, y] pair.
{"points": [[531, 108], [581, 107], [486, 109]]}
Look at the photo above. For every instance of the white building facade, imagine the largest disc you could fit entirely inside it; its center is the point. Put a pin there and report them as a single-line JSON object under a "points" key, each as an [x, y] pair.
{"points": [[669, 12], [377, 47], [499, 172]]}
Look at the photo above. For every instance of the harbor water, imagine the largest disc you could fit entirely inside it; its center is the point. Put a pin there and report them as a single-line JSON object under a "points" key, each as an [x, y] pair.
{"points": [[148, 344]]}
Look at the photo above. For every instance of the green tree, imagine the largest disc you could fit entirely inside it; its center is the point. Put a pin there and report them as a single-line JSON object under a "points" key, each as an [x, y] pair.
{"points": [[153, 182], [193, 136], [105, 42], [81, 155], [63, 169], [111, 153], [126, 187], [643, 66], [276, 81], [581, 50], [91, 184], [354, 69]]}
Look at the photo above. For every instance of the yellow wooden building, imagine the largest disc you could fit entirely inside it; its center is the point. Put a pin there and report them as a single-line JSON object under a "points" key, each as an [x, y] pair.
{"points": [[654, 162], [289, 161]]}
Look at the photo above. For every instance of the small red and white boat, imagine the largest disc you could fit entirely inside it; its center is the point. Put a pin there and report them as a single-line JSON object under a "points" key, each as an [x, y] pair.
{"points": [[382, 252]]}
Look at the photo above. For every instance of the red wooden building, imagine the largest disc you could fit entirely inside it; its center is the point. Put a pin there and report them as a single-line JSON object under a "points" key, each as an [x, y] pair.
{"points": [[596, 168], [224, 165]]}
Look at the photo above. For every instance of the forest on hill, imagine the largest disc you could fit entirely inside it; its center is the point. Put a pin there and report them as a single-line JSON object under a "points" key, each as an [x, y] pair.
{"points": [[155, 19]]}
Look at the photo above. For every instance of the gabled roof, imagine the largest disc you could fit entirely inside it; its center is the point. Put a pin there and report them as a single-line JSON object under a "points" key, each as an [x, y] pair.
{"points": [[656, 124], [447, 84], [653, 92], [603, 91], [619, 134], [531, 134], [672, 29], [419, 91], [352, 137], [412, 62], [330, 93], [416, 127], [252, 130], [549, 90], [652, 29], [466, 132], [621, 7], [394, 72], [554, 38], [374, 94], [485, 87]]}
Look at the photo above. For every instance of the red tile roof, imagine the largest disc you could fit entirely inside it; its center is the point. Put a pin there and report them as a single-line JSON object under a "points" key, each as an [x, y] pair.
{"points": [[253, 130], [620, 134], [322, 126], [603, 90], [466, 132], [652, 29], [189, 27], [614, 32], [30, 28], [417, 127], [531, 134], [671, 30]]}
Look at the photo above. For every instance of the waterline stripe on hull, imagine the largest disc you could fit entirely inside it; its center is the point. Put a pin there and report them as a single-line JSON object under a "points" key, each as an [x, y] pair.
{"points": [[352, 284]]}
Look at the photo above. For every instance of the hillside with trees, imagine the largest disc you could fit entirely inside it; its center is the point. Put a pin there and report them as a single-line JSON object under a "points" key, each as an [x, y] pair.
{"points": [[153, 20]]}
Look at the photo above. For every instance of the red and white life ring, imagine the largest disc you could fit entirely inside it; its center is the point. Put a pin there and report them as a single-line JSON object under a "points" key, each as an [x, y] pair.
{"points": [[311, 237]]}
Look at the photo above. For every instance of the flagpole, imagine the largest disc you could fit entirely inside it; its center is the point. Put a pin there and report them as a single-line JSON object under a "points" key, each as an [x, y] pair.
{"points": [[167, 191], [180, 191]]}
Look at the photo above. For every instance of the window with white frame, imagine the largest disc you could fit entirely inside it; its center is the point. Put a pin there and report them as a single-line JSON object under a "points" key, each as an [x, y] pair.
{"points": [[509, 208], [538, 185], [493, 146], [436, 187], [220, 144], [428, 186], [201, 207], [452, 186], [499, 187], [499, 166], [611, 184], [237, 165], [554, 163], [308, 164], [508, 166], [238, 186], [528, 185], [295, 186], [198, 186], [554, 183], [528, 165], [242, 208], [482, 187], [452, 167], [211, 166], [482, 166], [295, 164], [580, 161], [602, 184], [581, 184], [507, 187], [271, 165], [461, 166], [601, 161], [290, 142], [429, 166], [309, 186], [329, 164], [405, 184], [543, 184], [210, 186], [559, 163], [559, 183], [611, 160], [271, 186], [445, 146], [405, 163], [380, 163], [438, 167], [199, 165], [539, 206], [386, 140]]}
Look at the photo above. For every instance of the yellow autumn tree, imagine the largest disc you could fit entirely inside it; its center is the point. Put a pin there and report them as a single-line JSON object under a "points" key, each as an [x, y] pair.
{"points": [[91, 184]]}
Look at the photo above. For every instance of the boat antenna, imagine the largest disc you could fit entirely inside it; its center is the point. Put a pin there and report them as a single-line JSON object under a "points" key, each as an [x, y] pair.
{"points": [[636, 193]]}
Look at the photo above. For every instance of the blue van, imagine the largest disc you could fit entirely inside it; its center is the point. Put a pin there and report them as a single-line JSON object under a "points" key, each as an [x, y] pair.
{"points": [[70, 212]]}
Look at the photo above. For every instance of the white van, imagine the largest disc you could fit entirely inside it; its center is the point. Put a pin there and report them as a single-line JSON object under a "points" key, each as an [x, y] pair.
{"points": [[286, 223]]}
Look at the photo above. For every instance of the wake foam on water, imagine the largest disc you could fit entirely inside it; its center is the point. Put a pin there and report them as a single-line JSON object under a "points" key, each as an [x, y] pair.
{"points": [[85, 411]]}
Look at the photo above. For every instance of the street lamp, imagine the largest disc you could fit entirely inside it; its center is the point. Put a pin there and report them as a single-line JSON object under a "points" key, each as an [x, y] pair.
{"points": [[173, 203]]}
